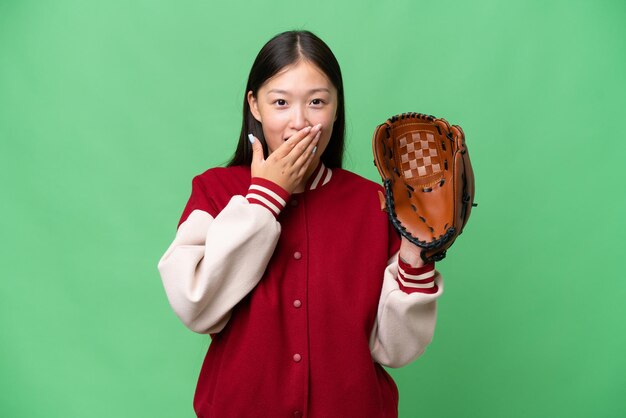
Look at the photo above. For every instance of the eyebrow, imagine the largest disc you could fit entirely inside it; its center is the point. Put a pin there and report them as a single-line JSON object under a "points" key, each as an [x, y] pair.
{"points": [[321, 89]]}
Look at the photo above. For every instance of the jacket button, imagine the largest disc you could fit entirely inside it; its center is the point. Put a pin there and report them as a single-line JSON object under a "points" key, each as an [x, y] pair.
{"points": [[294, 202], [297, 303], [297, 357], [297, 255], [297, 414]]}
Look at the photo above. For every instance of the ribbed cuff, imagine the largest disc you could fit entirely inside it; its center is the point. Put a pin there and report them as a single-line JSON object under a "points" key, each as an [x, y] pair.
{"points": [[267, 194], [416, 279]]}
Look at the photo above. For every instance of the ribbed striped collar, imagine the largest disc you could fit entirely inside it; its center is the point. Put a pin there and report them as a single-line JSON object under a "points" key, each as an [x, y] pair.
{"points": [[319, 178]]}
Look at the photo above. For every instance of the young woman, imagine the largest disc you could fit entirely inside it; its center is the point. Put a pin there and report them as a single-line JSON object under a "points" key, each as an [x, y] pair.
{"points": [[288, 262]]}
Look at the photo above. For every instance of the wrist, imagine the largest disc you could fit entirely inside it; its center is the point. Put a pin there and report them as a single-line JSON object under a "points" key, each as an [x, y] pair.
{"points": [[412, 279], [410, 253], [268, 194]]}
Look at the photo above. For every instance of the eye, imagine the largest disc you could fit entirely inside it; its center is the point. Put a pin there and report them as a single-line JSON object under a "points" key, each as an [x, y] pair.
{"points": [[280, 102], [317, 102]]}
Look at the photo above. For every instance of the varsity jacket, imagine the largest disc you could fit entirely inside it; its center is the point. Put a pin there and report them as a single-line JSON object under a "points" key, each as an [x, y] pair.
{"points": [[304, 296]]}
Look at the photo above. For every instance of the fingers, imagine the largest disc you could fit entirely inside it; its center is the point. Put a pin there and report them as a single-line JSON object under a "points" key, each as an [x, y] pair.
{"points": [[257, 155], [297, 143], [304, 160], [257, 148], [303, 153], [303, 145], [291, 142]]}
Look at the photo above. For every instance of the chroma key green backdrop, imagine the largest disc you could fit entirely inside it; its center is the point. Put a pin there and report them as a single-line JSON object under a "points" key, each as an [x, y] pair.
{"points": [[109, 108]]}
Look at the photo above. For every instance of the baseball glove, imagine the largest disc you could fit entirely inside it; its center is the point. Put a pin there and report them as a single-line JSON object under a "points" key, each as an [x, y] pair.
{"points": [[428, 179]]}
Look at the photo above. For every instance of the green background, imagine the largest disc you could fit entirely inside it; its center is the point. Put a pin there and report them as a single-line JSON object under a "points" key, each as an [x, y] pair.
{"points": [[108, 109]]}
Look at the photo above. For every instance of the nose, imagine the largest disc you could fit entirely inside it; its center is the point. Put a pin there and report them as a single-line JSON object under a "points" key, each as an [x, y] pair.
{"points": [[299, 118]]}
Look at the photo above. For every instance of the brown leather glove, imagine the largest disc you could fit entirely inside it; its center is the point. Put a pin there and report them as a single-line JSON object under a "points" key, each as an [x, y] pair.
{"points": [[428, 179]]}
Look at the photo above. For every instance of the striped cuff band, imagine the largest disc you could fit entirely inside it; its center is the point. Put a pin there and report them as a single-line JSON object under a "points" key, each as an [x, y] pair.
{"points": [[416, 279], [267, 194]]}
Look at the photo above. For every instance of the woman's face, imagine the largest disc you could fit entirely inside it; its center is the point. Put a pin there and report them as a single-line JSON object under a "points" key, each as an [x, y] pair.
{"points": [[299, 95]]}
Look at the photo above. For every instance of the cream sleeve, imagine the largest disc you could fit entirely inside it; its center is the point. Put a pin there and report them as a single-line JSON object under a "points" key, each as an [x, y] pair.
{"points": [[213, 263], [407, 313]]}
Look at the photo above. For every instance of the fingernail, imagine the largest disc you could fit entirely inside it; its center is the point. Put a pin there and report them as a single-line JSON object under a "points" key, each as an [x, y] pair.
{"points": [[318, 126], [308, 129], [314, 149], [251, 138]]}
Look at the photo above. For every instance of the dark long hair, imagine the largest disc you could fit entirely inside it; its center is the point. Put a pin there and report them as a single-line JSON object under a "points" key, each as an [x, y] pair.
{"points": [[285, 49]]}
